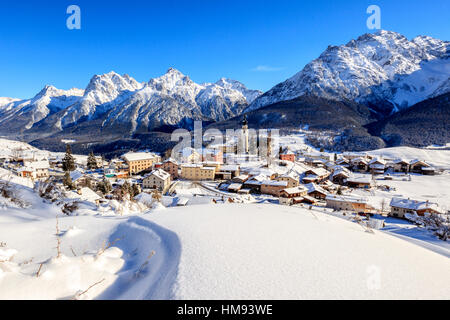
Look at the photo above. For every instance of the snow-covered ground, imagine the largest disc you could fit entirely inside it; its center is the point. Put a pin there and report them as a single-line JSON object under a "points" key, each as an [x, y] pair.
{"points": [[249, 250], [207, 251]]}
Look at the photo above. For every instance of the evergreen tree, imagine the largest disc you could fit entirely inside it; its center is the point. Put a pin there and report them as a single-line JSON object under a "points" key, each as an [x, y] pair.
{"points": [[68, 160], [134, 190], [67, 181], [92, 162], [105, 186]]}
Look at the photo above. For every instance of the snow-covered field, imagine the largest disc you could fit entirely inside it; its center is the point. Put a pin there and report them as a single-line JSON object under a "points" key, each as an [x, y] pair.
{"points": [[231, 251], [244, 250]]}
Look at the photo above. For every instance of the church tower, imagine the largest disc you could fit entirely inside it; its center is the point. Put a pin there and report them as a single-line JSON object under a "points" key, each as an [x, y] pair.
{"points": [[245, 133]]}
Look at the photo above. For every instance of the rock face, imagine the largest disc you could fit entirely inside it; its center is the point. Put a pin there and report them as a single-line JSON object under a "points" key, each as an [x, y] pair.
{"points": [[170, 100], [384, 71]]}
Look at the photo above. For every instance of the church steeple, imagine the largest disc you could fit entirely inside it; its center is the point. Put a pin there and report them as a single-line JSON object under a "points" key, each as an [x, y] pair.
{"points": [[245, 122]]}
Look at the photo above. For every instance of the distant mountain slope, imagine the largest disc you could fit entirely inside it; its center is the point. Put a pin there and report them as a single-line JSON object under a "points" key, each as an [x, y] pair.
{"points": [[384, 70], [424, 124], [120, 103]]}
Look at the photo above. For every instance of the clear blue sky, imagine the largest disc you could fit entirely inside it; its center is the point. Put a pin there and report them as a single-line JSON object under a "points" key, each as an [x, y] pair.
{"points": [[206, 40]]}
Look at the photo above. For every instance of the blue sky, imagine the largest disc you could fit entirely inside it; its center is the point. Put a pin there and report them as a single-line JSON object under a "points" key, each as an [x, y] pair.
{"points": [[259, 43]]}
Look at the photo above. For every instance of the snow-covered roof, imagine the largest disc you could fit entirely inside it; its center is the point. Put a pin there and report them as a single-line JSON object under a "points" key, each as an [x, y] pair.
{"points": [[230, 167], [159, 173], [274, 183], [312, 187], [367, 180], [299, 189], [416, 161], [352, 199], [75, 175], [139, 156], [414, 204]]}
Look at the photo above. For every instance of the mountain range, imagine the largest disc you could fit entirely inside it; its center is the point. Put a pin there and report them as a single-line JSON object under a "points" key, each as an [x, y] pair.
{"points": [[361, 89]]}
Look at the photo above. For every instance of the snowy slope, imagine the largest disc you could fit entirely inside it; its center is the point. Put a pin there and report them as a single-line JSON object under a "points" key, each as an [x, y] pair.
{"points": [[273, 252], [382, 67], [166, 100], [26, 113], [174, 98]]}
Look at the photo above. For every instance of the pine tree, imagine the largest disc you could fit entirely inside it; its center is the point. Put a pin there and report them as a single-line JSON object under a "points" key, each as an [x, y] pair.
{"points": [[92, 162], [134, 190], [67, 181], [105, 186], [68, 161]]}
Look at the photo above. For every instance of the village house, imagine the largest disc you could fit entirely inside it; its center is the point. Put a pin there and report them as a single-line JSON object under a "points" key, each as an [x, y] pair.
{"points": [[228, 172], [291, 196], [316, 191], [360, 164], [354, 155], [340, 175], [400, 207], [273, 188], [377, 166], [315, 175], [255, 182], [171, 166], [291, 178], [401, 166], [364, 182], [418, 166], [36, 170], [140, 161], [287, 155], [157, 180], [348, 203], [197, 172]]}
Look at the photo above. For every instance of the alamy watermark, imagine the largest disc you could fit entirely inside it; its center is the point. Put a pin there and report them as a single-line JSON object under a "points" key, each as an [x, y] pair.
{"points": [[374, 21], [238, 146], [73, 22]]}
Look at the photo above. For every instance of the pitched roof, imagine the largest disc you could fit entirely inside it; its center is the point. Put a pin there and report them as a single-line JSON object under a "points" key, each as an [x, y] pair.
{"points": [[312, 187], [138, 156], [414, 204], [159, 173]]}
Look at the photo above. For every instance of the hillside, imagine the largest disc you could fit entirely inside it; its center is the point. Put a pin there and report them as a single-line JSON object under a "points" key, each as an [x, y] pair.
{"points": [[424, 124]]}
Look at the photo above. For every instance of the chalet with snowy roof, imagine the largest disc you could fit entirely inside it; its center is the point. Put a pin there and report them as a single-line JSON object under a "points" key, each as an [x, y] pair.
{"points": [[235, 187], [241, 178], [401, 165], [343, 162], [377, 166], [315, 175], [360, 164], [272, 187], [140, 161], [418, 166], [255, 182], [157, 180], [364, 182], [401, 207], [291, 178], [290, 196], [340, 175], [354, 155], [349, 203], [316, 191]]}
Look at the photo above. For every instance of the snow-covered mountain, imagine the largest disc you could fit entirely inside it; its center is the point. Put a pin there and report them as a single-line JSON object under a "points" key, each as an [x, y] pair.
{"points": [[171, 99], [174, 98], [23, 114], [384, 70]]}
